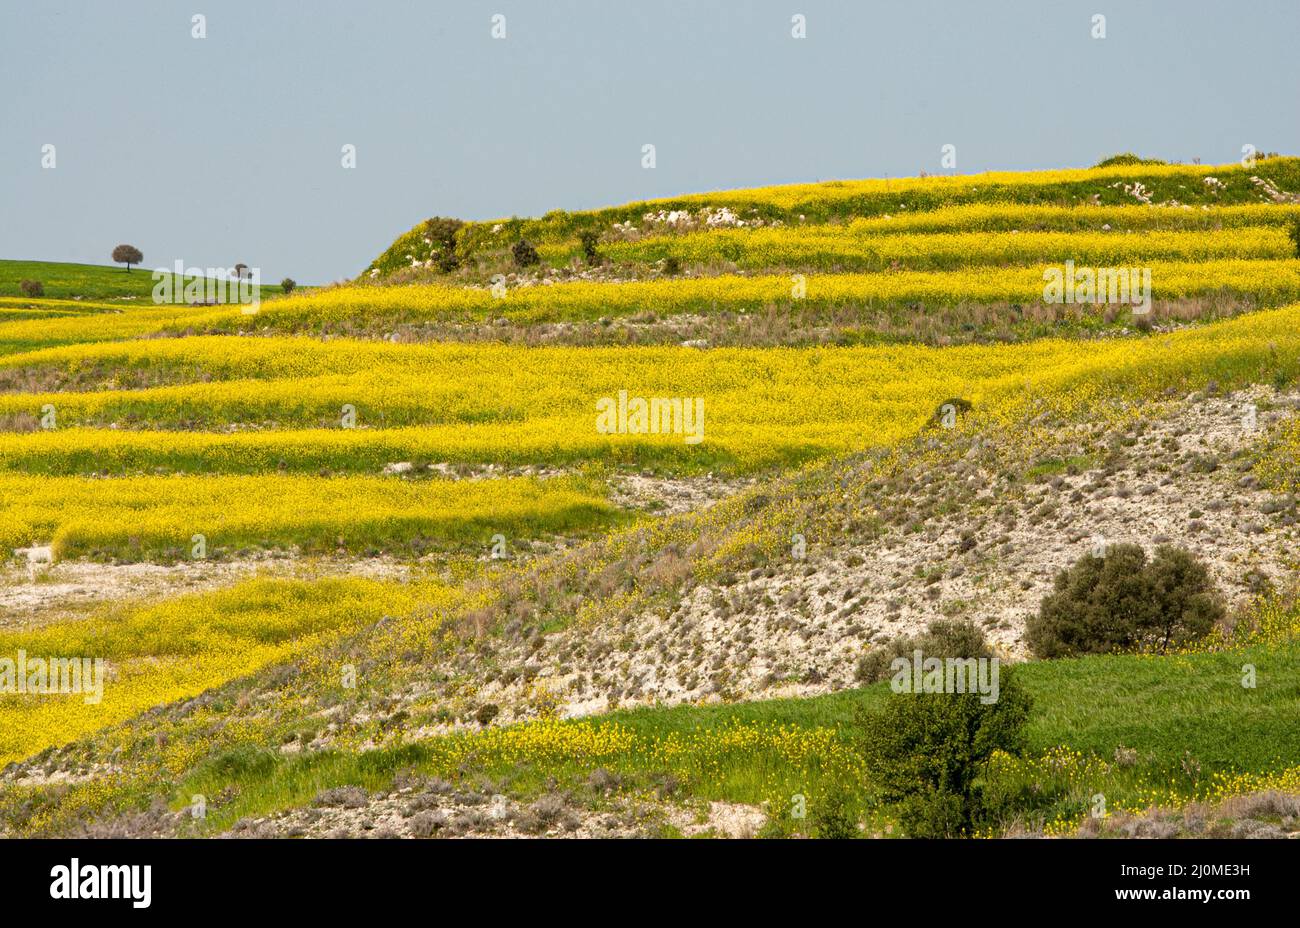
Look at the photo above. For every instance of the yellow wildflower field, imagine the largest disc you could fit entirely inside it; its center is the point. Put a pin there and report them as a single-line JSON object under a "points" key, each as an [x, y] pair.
{"points": [[854, 248], [1274, 280], [513, 404], [158, 653], [138, 432], [144, 515]]}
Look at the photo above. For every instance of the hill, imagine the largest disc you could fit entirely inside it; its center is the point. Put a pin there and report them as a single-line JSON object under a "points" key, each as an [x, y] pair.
{"points": [[610, 541], [949, 203]]}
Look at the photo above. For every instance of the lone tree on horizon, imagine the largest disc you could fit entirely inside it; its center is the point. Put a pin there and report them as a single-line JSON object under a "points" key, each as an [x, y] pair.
{"points": [[128, 255]]}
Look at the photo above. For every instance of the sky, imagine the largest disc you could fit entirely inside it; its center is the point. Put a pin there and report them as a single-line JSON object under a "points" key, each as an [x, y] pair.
{"points": [[230, 148]]}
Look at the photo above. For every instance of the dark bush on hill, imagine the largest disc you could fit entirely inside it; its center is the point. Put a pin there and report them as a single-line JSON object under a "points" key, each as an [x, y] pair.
{"points": [[441, 232], [1126, 158], [589, 241], [1122, 602], [525, 254]]}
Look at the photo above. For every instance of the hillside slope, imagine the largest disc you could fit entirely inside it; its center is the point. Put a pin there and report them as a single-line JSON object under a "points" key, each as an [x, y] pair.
{"points": [[399, 558]]}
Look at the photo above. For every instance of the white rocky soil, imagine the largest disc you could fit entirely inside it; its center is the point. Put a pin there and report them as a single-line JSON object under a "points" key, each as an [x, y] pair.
{"points": [[800, 627]]}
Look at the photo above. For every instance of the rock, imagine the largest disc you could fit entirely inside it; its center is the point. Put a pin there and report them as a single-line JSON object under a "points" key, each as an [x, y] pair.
{"points": [[37, 554], [401, 467]]}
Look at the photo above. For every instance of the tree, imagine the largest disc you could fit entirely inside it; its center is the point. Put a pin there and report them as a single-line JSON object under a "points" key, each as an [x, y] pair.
{"points": [[287, 285], [128, 255], [927, 753], [239, 271], [1122, 601]]}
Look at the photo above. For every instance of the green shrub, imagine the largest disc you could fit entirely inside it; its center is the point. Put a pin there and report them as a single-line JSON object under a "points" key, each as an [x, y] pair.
{"points": [[1122, 601], [960, 407], [589, 240], [927, 753], [288, 285], [943, 638], [1126, 158], [672, 266], [441, 232], [32, 288], [525, 254], [832, 818]]}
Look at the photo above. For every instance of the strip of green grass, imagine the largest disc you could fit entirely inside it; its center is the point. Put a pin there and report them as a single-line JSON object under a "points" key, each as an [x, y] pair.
{"points": [[65, 281], [1188, 718]]}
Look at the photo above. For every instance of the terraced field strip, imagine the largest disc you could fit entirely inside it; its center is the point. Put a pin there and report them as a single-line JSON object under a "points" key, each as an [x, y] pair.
{"points": [[823, 198], [514, 405], [1270, 281], [155, 654], [852, 249], [122, 322], [1024, 217], [151, 517]]}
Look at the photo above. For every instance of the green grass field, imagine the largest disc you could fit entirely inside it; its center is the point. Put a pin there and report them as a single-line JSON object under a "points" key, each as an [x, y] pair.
{"points": [[1192, 725], [86, 281]]}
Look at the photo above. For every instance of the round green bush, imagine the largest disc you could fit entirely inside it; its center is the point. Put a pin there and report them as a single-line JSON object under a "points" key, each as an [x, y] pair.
{"points": [[1122, 601]]}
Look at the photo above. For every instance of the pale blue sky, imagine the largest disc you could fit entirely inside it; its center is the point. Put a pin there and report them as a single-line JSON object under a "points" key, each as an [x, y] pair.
{"points": [[228, 148]]}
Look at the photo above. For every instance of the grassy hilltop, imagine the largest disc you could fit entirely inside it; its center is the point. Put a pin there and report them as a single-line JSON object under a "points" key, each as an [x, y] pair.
{"points": [[64, 281]]}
